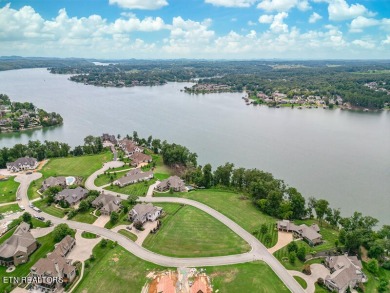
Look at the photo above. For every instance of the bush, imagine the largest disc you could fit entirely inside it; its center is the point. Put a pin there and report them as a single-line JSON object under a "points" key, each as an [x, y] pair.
{"points": [[103, 243], [386, 265], [301, 253], [292, 256], [320, 281], [306, 269], [373, 267], [383, 285], [138, 225], [292, 246], [263, 229]]}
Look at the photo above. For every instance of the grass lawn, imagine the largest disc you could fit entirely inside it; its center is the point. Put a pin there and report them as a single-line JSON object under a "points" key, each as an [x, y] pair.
{"points": [[88, 235], [128, 234], [114, 270], [82, 166], [85, 217], [301, 282], [9, 208], [138, 189], [249, 277], [37, 223], [47, 245], [282, 256], [51, 210], [190, 232], [373, 281], [8, 190], [34, 187], [123, 220]]}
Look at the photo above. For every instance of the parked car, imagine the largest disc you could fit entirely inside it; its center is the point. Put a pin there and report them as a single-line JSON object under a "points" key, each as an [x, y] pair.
{"points": [[36, 209], [31, 205], [128, 227], [22, 207], [29, 173], [39, 218]]}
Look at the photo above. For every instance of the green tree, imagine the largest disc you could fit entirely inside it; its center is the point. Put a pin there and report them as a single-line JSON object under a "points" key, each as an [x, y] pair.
{"points": [[26, 217], [60, 231], [301, 253], [292, 256], [297, 202], [263, 228], [373, 266], [321, 206], [83, 206], [114, 217], [207, 178], [292, 246]]}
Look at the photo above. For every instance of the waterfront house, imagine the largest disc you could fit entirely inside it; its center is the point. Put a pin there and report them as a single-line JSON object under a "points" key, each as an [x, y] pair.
{"points": [[109, 138], [72, 196], [53, 181], [129, 147], [174, 182], [17, 249], [107, 203], [138, 158], [144, 212], [134, 176], [309, 234], [25, 163]]}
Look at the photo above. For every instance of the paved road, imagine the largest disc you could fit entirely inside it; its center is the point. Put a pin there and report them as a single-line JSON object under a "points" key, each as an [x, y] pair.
{"points": [[258, 252]]}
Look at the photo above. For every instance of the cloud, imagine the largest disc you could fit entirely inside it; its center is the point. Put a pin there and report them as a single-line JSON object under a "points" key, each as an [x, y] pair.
{"points": [[283, 5], [340, 10], [251, 23], [265, 18], [314, 17], [364, 44], [140, 4], [359, 23], [386, 41], [278, 26], [231, 3]]}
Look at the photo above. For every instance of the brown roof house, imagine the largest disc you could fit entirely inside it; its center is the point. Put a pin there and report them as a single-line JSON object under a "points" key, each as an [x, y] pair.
{"points": [[309, 234], [174, 182], [16, 249], [346, 272], [72, 196], [47, 272], [144, 212], [107, 203], [53, 181], [129, 147], [134, 176], [25, 163], [138, 158]]}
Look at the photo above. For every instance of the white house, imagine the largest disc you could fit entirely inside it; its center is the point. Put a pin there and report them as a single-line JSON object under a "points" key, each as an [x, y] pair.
{"points": [[25, 163], [144, 212]]}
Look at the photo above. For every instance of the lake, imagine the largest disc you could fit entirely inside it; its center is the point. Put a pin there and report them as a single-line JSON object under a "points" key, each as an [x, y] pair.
{"points": [[340, 156]]}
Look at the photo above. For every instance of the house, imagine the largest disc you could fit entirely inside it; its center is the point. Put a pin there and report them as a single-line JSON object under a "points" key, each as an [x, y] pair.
{"points": [[72, 196], [129, 147], [346, 272], [53, 181], [174, 182], [144, 212], [309, 234], [25, 163], [45, 270], [138, 158], [134, 176], [109, 138], [107, 203], [17, 249]]}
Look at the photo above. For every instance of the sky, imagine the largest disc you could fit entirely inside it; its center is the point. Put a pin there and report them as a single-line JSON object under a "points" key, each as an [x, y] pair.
{"points": [[200, 29]]}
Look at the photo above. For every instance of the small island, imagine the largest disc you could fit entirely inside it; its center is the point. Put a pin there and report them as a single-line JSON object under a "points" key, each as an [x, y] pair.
{"points": [[17, 116]]}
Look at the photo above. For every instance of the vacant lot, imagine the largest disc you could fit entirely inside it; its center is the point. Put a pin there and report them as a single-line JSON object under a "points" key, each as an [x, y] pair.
{"points": [[138, 189], [8, 190], [189, 232]]}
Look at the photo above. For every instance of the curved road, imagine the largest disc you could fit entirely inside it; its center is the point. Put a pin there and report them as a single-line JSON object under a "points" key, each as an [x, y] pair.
{"points": [[258, 252]]}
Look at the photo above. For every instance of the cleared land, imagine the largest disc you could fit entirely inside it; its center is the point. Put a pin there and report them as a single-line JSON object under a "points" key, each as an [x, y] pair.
{"points": [[189, 232], [8, 190]]}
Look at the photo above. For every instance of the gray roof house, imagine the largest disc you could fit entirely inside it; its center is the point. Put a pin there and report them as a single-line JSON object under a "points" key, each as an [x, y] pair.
{"points": [[54, 265], [72, 196], [346, 272], [309, 234], [107, 203], [144, 212], [174, 182], [25, 163], [53, 181], [138, 158], [129, 147], [16, 249], [134, 176], [109, 138]]}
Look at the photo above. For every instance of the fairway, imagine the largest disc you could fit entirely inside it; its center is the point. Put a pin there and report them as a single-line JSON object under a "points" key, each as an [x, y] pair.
{"points": [[82, 166], [8, 190], [189, 232]]}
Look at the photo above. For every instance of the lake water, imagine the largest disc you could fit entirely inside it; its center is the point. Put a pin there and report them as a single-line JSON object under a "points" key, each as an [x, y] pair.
{"points": [[341, 156]]}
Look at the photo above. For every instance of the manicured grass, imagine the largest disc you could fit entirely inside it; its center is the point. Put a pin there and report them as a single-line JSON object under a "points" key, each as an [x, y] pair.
{"points": [[88, 235], [104, 179], [123, 220], [84, 217], [189, 232], [161, 176], [138, 189], [82, 166], [37, 223], [34, 187], [282, 256], [320, 289], [47, 245], [51, 210], [128, 234], [114, 270], [9, 208], [8, 190], [249, 277], [301, 282]]}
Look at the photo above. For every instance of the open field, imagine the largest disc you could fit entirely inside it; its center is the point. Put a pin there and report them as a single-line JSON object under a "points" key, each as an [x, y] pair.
{"points": [[85, 217], [138, 189], [82, 166], [189, 232], [8, 190]]}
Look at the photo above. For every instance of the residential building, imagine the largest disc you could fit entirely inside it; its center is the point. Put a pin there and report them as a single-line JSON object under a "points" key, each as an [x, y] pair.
{"points": [[17, 249], [134, 176], [109, 138], [107, 203], [53, 181], [174, 182], [144, 212], [310, 234], [129, 147], [138, 158], [72, 196], [54, 265], [346, 272], [25, 163]]}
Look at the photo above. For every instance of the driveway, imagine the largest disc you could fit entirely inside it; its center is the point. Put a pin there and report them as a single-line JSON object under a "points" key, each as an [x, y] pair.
{"points": [[148, 226], [40, 232], [284, 238], [317, 271], [101, 221], [83, 248], [151, 189]]}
